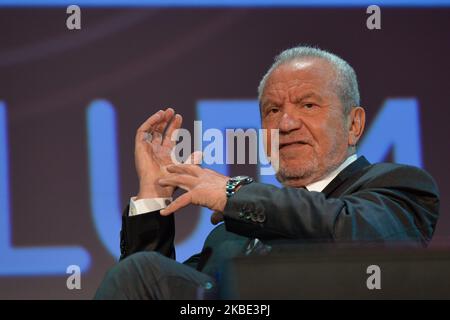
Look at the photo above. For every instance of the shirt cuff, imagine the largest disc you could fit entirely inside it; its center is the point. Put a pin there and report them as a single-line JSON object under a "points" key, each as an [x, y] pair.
{"points": [[147, 205]]}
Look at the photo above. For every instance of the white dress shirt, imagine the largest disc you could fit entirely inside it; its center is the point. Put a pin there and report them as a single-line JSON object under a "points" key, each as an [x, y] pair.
{"points": [[148, 205], [321, 184]]}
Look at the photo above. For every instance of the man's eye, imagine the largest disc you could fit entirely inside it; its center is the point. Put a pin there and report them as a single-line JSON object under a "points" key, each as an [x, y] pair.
{"points": [[309, 105], [272, 110]]}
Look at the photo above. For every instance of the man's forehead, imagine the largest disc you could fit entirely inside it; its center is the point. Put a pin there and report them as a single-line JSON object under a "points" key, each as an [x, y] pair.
{"points": [[304, 68], [302, 74]]}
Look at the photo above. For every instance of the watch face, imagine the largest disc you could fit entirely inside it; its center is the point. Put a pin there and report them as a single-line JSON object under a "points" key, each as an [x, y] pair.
{"points": [[242, 179]]}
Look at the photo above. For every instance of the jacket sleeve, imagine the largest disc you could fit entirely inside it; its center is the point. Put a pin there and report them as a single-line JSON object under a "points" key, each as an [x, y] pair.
{"points": [[147, 232], [402, 204], [150, 232]]}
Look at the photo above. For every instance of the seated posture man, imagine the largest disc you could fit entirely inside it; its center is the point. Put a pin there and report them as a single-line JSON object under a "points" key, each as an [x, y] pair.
{"points": [[328, 193]]}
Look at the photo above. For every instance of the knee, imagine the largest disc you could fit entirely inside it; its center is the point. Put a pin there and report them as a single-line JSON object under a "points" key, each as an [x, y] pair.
{"points": [[138, 259], [129, 271], [135, 265]]}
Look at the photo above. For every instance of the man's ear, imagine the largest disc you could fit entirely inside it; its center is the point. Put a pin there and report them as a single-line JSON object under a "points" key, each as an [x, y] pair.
{"points": [[356, 123]]}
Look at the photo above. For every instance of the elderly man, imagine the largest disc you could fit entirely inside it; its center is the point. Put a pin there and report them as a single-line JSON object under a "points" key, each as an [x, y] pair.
{"points": [[312, 97]]}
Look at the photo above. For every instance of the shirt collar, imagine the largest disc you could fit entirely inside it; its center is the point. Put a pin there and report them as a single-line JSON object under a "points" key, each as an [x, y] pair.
{"points": [[321, 184]]}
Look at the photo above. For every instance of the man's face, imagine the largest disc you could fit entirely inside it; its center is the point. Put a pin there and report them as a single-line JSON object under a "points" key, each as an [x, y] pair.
{"points": [[301, 100]]}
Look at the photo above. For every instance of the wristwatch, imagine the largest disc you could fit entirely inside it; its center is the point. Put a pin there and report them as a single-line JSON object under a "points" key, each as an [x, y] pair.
{"points": [[235, 182]]}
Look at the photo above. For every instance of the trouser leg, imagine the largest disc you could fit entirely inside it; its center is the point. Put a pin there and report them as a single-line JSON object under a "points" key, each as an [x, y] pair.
{"points": [[152, 276]]}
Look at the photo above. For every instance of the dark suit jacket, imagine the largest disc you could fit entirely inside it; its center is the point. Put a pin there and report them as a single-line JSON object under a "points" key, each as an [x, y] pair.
{"points": [[366, 202]]}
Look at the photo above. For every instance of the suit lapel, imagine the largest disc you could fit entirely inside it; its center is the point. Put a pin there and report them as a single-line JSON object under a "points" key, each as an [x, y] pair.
{"points": [[348, 173]]}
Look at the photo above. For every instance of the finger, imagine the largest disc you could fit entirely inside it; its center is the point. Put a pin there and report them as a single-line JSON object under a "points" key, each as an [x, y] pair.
{"points": [[177, 180], [169, 113], [195, 158], [151, 121], [147, 126], [190, 169], [160, 127], [175, 124], [166, 117], [156, 137], [216, 217], [180, 202]]}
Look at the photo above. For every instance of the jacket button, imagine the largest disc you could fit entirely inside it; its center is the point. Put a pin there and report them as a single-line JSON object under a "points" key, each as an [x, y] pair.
{"points": [[261, 217]]}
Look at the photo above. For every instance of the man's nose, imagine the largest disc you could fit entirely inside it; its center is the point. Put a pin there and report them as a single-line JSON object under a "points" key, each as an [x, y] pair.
{"points": [[289, 123]]}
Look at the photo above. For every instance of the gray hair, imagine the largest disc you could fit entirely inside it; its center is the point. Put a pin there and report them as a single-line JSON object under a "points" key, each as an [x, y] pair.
{"points": [[346, 81]]}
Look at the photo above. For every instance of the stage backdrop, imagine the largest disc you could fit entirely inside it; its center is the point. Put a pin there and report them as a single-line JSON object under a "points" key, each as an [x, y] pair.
{"points": [[71, 101]]}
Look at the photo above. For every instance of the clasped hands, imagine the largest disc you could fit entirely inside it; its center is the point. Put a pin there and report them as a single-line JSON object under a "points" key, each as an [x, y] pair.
{"points": [[159, 176]]}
